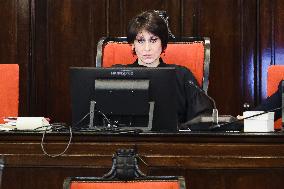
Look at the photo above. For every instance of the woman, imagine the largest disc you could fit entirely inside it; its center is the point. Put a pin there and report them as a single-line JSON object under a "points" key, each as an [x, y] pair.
{"points": [[148, 35]]}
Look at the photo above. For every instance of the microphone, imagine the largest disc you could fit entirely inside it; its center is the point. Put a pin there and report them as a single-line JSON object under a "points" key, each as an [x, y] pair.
{"points": [[248, 117], [214, 117], [222, 122], [207, 123]]}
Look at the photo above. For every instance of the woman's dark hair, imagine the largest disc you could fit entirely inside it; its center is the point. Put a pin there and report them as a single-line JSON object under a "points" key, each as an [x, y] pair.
{"points": [[151, 22]]}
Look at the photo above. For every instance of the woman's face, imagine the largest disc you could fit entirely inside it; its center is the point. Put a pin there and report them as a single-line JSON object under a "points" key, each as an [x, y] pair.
{"points": [[148, 48]]}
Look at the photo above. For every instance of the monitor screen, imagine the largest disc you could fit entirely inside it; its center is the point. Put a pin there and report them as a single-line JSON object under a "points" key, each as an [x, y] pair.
{"points": [[124, 97]]}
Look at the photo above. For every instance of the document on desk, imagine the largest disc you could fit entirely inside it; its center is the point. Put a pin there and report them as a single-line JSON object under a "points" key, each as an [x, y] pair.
{"points": [[31, 123], [6, 127]]}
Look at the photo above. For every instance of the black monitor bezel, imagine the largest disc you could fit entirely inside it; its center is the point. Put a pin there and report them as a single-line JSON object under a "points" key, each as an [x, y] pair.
{"points": [[163, 79]]}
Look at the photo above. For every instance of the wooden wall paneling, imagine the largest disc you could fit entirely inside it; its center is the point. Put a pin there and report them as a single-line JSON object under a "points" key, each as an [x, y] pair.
{"points": [[100, 21], [8, 32], [14, 43], [120, 13], [266, 43], [174, 10], [134, 7], [46, 37], [23, 55], [69, 41], [234, 179], [249, 55], [39, 73], [116, 18], [225, 23], [224, 178], [223, 160], [189, 16], [71, 44], [221, 21], [272, 40], [49, 181], [278, 30]]}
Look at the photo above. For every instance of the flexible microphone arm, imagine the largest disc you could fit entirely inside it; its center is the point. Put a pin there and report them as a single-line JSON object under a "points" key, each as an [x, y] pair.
{"points": [[200, 90], [239, 120], [222, 124], [215, 110]]}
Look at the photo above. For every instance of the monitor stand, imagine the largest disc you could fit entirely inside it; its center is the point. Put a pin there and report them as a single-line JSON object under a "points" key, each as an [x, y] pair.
{"points": [[151, 115], [92, 115], [92, 126]]}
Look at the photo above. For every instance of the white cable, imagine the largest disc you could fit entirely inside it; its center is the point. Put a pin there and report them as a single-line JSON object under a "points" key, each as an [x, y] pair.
{"points": [[60, 154]]}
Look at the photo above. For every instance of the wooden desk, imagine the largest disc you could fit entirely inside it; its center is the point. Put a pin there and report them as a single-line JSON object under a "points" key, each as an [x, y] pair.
{"points": [[206, 160]]}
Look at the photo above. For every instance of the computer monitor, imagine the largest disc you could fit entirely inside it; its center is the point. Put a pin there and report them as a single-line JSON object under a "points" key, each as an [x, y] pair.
{"points": [[126, 97]]}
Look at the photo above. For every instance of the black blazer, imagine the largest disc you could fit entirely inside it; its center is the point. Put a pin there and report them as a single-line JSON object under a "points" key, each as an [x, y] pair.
{"points": [[191, 101]]}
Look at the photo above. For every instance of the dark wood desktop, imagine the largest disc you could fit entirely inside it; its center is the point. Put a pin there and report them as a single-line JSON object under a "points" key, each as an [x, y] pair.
{"points": [[206, 160]]}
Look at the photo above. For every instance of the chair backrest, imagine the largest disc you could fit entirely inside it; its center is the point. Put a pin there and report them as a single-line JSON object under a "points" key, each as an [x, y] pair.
{"points": [[163, 182], [9, 90], [275, 74], [125, 174], [191, 52]]}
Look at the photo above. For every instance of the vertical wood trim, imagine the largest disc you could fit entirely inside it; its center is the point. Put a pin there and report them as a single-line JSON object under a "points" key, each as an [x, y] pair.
{"points": [[48, 42], [22, 102], [122, 16], [91, 31], [107, 16], [258, 66], [181, 18], [196, 18], [241, 26], [273, 12], [31, 94], [16, 28]]}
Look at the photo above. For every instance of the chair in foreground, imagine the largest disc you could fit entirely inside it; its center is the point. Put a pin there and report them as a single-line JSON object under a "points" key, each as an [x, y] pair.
{"points": [[9, 87], [125, 174], [275, 74], [191, 52]]}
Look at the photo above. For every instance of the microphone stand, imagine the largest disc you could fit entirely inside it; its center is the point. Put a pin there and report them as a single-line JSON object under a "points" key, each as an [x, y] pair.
{"points": [[215, 115]]}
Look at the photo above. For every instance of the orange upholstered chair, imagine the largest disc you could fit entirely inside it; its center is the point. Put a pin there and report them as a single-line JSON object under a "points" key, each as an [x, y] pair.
{"points": [[125, 174], [9, 90], [146, 183], [191, 52], [275, 74]]}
